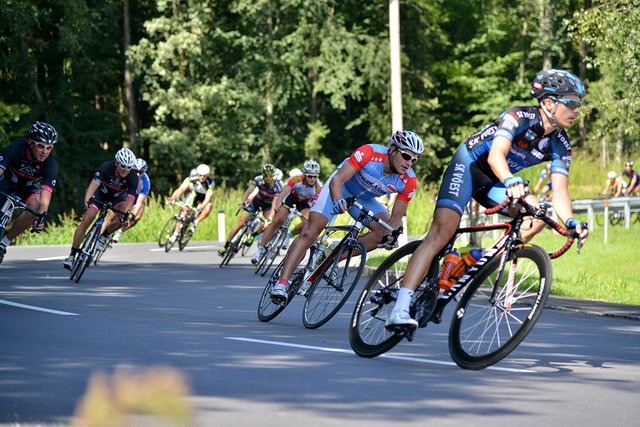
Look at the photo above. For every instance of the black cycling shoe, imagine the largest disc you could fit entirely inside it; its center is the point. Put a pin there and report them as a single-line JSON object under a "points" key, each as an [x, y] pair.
{"points": [[3, 250]]}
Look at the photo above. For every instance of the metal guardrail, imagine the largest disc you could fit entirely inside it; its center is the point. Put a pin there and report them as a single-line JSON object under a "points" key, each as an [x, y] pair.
{"points": [[594, 206]]}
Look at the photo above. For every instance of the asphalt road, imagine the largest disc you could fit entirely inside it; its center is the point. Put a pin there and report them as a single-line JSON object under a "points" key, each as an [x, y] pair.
{"points": [[145, 308]]}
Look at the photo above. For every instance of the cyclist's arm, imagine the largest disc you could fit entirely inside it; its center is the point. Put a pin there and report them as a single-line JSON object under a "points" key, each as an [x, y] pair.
{"points": [[498, 162], [632, 184], [343, 175], [397, 213], [93, 186], [280, 198], [618, 188], [180, 190], [248, 195], [139, 203], [207, 198], [45, 199], [560, 196]]}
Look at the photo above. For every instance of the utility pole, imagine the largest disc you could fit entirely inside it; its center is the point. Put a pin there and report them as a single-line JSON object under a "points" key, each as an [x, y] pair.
{"points": [[396, 81]]}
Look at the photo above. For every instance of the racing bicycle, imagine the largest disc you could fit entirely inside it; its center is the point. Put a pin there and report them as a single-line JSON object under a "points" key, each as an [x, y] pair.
{"points": [[272, 249], [241, 242], [329, 276], [10, 205], [89, 248], [500, 298], [179, 228]]}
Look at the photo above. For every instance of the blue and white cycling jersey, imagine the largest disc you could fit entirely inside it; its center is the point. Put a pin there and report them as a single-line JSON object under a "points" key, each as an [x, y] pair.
{"points": [[469, 174], [144, 185]]}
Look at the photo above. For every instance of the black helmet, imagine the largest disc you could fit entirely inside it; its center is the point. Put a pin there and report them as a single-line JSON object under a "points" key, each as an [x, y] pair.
{"points": [[556, 82], [43, 132]]}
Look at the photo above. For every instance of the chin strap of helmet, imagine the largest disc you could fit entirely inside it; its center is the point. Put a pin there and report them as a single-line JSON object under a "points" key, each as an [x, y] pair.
{"points": [[551, 115]]}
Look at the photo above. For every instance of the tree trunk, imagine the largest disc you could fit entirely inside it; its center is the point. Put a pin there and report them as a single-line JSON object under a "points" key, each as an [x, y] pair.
{"points": [[546, 28], [128, 79]]}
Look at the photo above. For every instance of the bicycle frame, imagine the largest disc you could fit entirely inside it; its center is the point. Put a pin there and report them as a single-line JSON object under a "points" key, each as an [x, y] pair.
{"points": [[503, 248], [11, 203]]}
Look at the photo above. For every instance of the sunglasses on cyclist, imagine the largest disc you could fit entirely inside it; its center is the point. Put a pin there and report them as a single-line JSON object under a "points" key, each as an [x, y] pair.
{"points": [[311, 176], [121, 166], [41, 146], [571, 104], [408, 157]]}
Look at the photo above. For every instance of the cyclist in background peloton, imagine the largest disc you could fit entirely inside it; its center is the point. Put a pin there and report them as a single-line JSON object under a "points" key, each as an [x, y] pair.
{"points": [[633, 188], [484, 168], [28, 170], [614, 186], [298, 192], [261, 194], [371, 171], [201, 187], [113, 183], [144, 187]]}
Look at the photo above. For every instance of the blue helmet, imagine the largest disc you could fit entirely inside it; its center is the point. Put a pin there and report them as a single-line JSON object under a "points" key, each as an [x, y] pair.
{"points": [[141, 165], [556, 82]]}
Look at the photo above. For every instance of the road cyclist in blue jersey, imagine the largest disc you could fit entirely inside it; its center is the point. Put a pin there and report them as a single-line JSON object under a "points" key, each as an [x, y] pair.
{"points": [[114, 182], [485, 167], [28, 171], [371, 171], [144, 187]]}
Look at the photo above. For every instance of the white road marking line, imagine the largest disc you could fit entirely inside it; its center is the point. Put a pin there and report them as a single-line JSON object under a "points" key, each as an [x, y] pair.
{"points": [[52, 258], [385, 356], [33, 307], [185, 249]]}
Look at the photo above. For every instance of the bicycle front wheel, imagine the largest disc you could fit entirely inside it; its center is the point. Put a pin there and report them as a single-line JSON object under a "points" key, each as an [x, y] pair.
{"points": [[484, 332], [331, 289], [367, 334], [84, 258], [167, 231], [268, 309], [271, 252], [185, 235]]}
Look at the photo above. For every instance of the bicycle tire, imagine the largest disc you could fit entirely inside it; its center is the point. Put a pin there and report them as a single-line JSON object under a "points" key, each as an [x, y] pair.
{"points": [[271, 252], [170, 243], [616, 218], [481, 334], [86, 253], [326, 297], [185, 233], [267, 308], [167, 231], [367, 333], [234, 247]]}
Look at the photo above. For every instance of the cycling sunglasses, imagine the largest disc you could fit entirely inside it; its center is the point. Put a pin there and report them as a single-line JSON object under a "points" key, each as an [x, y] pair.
{"points": [[571, 104], [41, 146], [123, 167], [311, 176], [408, 157]]}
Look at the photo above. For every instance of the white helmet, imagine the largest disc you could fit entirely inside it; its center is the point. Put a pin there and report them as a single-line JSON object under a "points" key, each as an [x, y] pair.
{"points": [[203, 170], [126, 158], [407, 140], [311, 167], [294, 172], [278, 174], [612, 175]]}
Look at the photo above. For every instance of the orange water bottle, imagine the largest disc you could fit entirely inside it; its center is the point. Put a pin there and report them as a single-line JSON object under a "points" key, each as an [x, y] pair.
{"points": [[461, 268], [450, 260]]}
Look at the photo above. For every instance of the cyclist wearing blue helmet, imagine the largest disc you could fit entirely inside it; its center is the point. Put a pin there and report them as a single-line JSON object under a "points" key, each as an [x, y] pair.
{"points": [[485, 167]]}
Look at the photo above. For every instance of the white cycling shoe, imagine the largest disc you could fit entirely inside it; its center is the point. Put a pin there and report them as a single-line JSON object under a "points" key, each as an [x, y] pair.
{"points": [[400, 319], [279, 292]]}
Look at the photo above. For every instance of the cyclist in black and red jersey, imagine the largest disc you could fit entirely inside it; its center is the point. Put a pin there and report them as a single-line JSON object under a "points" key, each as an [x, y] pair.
{"points": [[261, 194], [485, 168], [633, 188], [28, 170], [113, 183], [299, 191]]}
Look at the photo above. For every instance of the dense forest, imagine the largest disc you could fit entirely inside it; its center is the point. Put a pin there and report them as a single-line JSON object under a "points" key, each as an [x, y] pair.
{"points": [[234, 83]]}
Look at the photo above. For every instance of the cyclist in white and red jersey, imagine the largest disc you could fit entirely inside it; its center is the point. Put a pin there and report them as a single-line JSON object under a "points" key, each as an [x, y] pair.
{"points": [[28, 170], [485, 167], [298, 192], [371, 171]]}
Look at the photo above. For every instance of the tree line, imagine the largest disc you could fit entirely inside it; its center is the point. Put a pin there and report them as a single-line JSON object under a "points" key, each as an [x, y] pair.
{"points": [[235, 83]]}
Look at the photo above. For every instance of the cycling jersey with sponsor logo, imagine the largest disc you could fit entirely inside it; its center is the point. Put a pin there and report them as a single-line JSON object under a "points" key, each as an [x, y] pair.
{"points": [[23, 171], [368, 161], [301, 191], [522, 126], [266, 192], [112, 184], [199, 187]]}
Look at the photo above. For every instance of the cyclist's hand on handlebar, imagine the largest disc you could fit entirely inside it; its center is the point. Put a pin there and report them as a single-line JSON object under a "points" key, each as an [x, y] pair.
{"points": [[339, 207], [577, 229], [85, 206], [170, 200], [515, 187], [38, 224]]}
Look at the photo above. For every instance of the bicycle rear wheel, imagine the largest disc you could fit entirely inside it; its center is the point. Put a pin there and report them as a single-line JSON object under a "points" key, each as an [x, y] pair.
{"points": [[484, 332], [84, 258], [185, 234], [267, 308], [367, 334], [167, 231], [332, 288], [234, 247]]}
